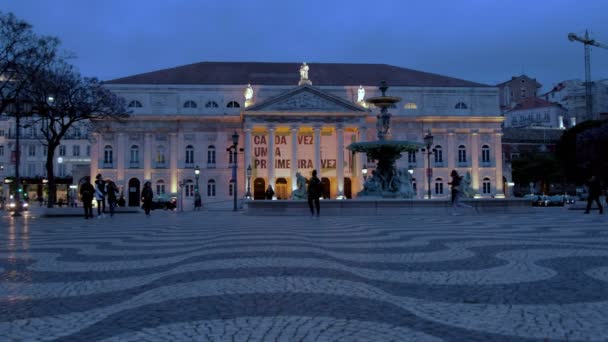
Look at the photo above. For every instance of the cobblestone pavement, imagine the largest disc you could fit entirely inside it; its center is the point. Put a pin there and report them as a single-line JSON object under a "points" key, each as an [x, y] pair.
{"points": [[223, 276]]}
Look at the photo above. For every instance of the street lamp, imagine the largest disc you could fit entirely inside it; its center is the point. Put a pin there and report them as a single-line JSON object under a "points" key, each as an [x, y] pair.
{"points": [[197, 172], [16, 109], [233, 150], [428, 141], [248, 194], [364, 172]]}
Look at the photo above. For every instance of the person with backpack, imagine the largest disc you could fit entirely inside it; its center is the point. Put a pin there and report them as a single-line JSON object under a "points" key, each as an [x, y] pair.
{"points": [[87, 192], [112, 192], [100, 195], [314, 192]]}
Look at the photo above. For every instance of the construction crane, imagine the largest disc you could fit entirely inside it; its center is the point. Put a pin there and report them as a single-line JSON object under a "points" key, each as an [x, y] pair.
{"points": [[587, 42]]}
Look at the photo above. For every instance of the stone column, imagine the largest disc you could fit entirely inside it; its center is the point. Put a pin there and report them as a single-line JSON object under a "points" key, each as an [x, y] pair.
{"points": [[95, 155], [271, 181], [173, 159], [294, 156], [247, 161], [475, 161], [121, 156], [317, 165], [340, 161], [498, 165], [360, 157], [452, 152], [147, 156]]}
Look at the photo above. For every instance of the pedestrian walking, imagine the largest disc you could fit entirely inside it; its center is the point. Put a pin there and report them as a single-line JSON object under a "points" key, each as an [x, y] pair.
{"points": [[100, 195], [146, 196], [269, 192], [314, 192], [87, 192], [595, 191], [112, 193], [456, 184]]}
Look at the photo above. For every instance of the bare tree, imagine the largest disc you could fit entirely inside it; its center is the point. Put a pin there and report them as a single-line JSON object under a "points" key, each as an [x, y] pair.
{"points": [[65, 100], [23, 56]]}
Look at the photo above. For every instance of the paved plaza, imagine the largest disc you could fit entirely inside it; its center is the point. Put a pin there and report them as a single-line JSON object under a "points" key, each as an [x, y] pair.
{"points": [[224, 276]]}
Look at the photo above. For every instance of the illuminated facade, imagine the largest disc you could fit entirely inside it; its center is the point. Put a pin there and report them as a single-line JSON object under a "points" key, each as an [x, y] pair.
{"points": [[290, 122]]}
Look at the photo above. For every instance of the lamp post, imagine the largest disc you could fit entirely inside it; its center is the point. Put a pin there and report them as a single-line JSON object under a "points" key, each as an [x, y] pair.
{"points": [[16, 108], [364, 172], [248, 194], [428, 141], [233, 150], [197, 172]]}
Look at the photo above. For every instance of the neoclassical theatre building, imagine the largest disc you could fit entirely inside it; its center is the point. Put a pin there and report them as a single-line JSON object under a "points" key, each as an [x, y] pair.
{"points": [[291, 118]]}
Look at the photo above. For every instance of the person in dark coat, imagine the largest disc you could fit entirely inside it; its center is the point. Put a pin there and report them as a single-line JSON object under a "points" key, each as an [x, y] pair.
{"points": [[594, 194], [269, 192], [111, 192], [146, 196], [87, 192], [314, 192], [100, 195]]}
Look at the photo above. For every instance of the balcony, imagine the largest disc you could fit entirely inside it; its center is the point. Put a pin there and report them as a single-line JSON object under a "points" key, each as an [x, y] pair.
{"points": [[134, 165], [160, 165], [107, 165], [211, 165]]}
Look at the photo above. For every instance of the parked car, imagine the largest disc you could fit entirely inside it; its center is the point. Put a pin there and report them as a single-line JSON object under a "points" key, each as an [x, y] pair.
{"points": [[555, 201], [164, 202]]}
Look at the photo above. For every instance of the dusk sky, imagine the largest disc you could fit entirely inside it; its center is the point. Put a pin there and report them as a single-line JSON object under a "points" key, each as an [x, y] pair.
{"points": [[485, 41]]}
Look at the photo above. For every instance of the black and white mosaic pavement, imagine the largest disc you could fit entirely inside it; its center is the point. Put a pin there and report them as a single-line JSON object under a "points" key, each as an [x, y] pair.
{"points": [[221, 276]]}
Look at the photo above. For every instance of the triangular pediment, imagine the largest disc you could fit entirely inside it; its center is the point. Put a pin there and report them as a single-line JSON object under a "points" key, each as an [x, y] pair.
{"points": [[305, 98]]}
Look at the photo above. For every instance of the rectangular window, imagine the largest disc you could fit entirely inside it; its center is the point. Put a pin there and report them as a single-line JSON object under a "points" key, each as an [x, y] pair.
{"points": [[1, 132], [61, 172], [411, 157], [189, 156], [160, 189], [31, 170], [439, 188], [76, 150], [189, 189], [1, 150], [62, 150], [88, 150], [31, 150]]}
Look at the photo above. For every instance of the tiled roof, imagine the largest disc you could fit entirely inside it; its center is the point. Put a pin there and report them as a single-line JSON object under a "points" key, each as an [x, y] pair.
{"points": [[531, 135], [324, 74], [533, 102]]}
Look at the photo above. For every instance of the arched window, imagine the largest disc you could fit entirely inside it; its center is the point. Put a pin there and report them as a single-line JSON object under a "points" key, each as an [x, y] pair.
{"points": [[233, 104], [485, 154], [438, 152], [160, 187], [410, 105], [189, 188], [211, 188], [160, 156], [211, 104], [190, 104], [107, 155], [135, 104], [134, 155], [438, 186], [462, 154], [461, 105], [487, 189], [211, 156], [189, 154]]}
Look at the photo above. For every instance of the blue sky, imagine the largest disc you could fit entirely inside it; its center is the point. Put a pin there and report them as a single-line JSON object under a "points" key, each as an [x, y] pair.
{"points": [[486, 41]]}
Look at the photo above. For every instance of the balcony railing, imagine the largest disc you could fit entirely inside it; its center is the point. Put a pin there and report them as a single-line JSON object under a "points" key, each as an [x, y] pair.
{"points": [[211, 165], [134, 165], [108, 165]]}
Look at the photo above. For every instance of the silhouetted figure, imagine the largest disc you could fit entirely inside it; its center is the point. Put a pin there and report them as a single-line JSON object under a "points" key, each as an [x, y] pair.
{"points": [[314, 192], [87, 192], [594, 194], [146, 196]]}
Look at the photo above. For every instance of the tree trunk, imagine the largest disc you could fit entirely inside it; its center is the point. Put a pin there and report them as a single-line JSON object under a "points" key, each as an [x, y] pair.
{"points": [[51, 176]]}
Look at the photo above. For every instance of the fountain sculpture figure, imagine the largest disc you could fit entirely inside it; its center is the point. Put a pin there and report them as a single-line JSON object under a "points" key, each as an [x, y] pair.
{"points": [[385, 181]]}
